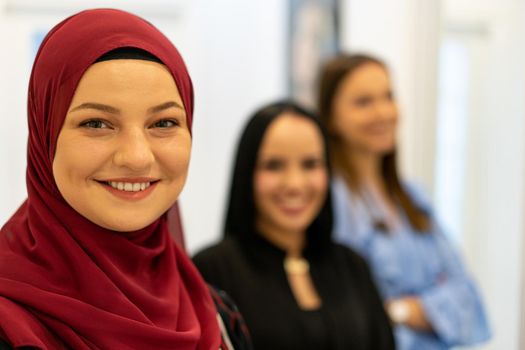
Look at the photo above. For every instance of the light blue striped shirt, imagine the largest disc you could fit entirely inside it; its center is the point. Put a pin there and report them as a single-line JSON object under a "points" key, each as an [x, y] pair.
{"points": [[408, 263]]}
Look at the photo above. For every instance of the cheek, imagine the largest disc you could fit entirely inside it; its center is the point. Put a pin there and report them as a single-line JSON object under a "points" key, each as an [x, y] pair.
{"points": [[320, 182], [74, 161], [174, 156], [262, 183], [265, 184], [346, 121], [395, 116]]}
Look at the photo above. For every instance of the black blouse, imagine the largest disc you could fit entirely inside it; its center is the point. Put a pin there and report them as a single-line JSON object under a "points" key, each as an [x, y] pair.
{"points": [[251, 271]]}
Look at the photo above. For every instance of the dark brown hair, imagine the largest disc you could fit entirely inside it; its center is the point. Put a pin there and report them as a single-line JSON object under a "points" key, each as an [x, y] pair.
{"points": [[332, 74]]}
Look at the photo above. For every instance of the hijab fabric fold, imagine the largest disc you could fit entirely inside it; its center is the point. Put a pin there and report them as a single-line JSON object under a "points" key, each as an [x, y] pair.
{"points": [[66, 282]]}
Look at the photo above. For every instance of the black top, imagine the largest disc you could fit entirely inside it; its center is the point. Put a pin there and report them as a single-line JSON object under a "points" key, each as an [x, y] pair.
{"points": [[251, 271], [316, 328]]}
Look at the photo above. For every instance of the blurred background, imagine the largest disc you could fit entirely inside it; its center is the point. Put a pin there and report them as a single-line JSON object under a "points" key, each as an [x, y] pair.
{"points": [[459, 74]]}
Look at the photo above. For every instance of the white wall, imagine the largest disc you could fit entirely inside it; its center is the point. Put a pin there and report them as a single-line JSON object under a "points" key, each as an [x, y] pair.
{"points": [[238, 64], [492, 213], [14, 73]]}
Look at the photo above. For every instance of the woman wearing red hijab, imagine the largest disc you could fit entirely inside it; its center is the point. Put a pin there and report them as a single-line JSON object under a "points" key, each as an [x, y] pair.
{"points": [[87, 261]]}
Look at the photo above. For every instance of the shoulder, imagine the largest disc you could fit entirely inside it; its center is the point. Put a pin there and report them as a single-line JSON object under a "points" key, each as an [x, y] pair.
{"points": [[18, 325], [340, 190], [217, 252], [219, 262], [338, 182], [351, 267], [418, 194], [348, 256]]}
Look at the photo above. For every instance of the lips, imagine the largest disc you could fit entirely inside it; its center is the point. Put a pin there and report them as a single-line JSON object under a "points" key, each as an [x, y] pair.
{"points": [[379, 128], [292, 207], [130, 189]]}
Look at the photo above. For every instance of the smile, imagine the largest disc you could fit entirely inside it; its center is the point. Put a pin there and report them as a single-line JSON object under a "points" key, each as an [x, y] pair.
{"points": [[130, 189], [293, 207], [129, 186]]}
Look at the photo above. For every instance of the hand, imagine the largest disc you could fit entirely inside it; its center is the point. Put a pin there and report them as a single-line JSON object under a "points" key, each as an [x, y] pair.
{"points": [[409, 312]]}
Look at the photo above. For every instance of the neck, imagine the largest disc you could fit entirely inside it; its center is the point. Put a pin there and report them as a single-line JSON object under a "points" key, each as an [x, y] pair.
{"points": [[369, 174], [292, 242], [368, 168]]}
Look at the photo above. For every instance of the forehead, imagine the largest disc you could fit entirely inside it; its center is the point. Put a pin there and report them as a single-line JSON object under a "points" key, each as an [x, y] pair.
{"points": [[126, 77], [292, 134], [369, 76]]}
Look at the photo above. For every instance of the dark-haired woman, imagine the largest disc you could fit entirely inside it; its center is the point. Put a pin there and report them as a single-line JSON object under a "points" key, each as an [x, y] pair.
{"points": [[87, 261], [294, 286], [428, 294]]}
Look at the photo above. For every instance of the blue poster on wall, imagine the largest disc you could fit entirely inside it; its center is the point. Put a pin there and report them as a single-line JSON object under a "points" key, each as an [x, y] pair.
{"points": [[314, 36]]}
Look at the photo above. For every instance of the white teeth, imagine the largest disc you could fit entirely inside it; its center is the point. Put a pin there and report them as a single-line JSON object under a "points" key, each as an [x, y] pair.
{"points": [[129, 187]]}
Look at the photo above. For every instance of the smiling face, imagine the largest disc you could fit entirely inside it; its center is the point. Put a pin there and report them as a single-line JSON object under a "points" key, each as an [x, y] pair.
{"points": [[290, 178], [123, 152], [364, 113]]}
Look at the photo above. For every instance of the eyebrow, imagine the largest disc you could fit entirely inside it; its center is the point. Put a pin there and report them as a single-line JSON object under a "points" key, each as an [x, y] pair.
{"points": [[97, 106], [109, 109], [164, 106]]}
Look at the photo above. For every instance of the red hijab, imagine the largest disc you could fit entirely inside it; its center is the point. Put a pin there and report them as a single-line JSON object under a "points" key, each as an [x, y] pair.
{"points": [[66, 282]]}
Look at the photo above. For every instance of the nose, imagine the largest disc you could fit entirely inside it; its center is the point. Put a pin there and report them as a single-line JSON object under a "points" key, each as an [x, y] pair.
{"points": [[134, 151], [294, 179], [386, 110]]}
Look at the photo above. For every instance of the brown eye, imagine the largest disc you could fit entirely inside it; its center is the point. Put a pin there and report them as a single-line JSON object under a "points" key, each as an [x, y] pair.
{"points": [[95, 124], [165, 123], [312, 163], [272, 165], [363, 101]]}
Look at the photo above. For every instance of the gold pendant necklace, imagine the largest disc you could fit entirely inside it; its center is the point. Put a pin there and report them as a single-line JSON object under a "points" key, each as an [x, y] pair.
{"points": [[296, 265]]}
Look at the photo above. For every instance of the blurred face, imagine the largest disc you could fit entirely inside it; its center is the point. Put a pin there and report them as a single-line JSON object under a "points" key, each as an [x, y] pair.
{"points": [[364, 113], [290, 180], [123, 152]]}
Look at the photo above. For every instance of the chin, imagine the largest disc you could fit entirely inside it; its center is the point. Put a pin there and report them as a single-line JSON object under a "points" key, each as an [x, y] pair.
{"points": [[383, 150], [296, 226], [125, 225]]}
